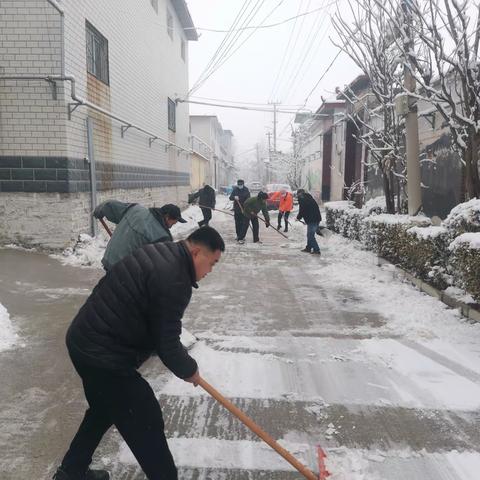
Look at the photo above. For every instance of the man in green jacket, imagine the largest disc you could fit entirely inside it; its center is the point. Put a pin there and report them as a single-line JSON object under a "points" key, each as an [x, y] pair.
{"points": [[251, 208], [136, 226]]}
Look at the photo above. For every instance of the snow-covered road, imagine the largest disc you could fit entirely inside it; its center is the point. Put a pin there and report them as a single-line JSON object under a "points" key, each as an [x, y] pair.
{"points": [[333, 351]]}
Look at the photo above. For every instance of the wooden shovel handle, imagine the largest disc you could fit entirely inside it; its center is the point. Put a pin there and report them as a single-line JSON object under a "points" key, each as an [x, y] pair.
{"points": [[105, 226], [257, 430]]}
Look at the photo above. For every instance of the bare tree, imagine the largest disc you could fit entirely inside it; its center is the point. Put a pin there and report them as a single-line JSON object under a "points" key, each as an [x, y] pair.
{"points": [[447, 70], [369, 42]]}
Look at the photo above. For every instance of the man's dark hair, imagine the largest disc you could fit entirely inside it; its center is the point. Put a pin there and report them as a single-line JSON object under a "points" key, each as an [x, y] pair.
{"points": [[262, 195], [240, 182], [208, 237], [300, 191]]}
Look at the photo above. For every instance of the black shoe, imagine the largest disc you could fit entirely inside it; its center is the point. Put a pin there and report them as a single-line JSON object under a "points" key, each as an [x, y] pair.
{"points": [[285, 229], [316, 253], [279, 227], [61, 474], [306, 250]]}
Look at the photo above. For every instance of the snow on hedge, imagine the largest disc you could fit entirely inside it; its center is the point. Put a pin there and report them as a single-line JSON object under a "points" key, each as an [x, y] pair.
{"points": [[391, 219], [426, 233], [469, 240], [375, 203], [340, 205], [467, 213]]}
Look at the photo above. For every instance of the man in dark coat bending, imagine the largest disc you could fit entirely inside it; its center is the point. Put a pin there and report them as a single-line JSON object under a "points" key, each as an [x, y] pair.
{"points": [[206, 202], [310, 213], [135, 310]]}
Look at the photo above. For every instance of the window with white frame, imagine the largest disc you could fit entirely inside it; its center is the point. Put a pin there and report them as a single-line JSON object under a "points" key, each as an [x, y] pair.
{"points": [[169, 24], [183, 49], [171, 115], [154, 5], [97, 53]]}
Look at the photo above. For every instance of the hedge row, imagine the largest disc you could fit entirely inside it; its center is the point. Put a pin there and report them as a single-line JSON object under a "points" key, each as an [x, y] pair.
{"points": [[440, 255]]}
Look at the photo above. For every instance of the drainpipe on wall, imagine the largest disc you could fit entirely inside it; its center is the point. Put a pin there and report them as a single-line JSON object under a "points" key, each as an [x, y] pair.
{"points": [[55, 5], [93, 175]]}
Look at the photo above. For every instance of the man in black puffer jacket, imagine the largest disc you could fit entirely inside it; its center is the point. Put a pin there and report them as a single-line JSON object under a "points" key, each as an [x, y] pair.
{"points": [[310, 213], [135, 310]]}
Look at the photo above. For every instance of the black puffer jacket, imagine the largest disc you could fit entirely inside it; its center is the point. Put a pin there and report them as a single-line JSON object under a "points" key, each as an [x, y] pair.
{"points": [[206, 196], [309, 210], [136, 309]]}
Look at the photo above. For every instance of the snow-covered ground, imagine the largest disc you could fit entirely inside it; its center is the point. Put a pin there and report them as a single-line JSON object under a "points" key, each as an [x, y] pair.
{"points": [[333, 350], [8, 336]]}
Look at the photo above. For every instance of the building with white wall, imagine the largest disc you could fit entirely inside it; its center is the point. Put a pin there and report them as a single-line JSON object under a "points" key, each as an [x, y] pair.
{"points": [[209, 130], [317, 147], [119, 63]]}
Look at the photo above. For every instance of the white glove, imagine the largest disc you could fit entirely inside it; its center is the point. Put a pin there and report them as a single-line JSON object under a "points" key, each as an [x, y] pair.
{"points": [[237, 198]]}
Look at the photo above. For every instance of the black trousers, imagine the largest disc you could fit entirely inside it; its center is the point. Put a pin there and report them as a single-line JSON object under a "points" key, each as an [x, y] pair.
{"points": [[207, 216], [255, 228], [285, 215], [128, 402], [240, 220]]}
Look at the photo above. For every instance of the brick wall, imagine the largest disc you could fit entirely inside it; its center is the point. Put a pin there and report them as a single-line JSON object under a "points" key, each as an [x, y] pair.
{"points": [[23, 219], [43, 151]]}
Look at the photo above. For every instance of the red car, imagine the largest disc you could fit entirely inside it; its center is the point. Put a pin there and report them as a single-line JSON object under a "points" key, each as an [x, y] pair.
{"points": [[273, 190]]}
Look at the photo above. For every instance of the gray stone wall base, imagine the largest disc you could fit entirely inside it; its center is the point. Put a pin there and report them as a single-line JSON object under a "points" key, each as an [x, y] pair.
{"points": [[466, 310], [53, 221]]}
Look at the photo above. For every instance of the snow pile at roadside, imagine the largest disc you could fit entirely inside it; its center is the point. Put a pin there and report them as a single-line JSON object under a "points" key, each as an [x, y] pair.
{"points": [[409, 312], [87, 252], [459, 294], [8, 337]]}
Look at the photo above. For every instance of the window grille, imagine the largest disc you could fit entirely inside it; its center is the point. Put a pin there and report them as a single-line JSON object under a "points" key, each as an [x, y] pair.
{"points": [[97, 53]]}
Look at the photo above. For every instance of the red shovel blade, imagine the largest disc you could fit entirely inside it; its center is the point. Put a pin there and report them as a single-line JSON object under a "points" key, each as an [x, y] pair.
{"points": [[323, 473]]}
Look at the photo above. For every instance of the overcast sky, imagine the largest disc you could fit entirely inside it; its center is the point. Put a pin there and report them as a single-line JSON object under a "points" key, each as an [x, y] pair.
{"points": [[263, 69]]}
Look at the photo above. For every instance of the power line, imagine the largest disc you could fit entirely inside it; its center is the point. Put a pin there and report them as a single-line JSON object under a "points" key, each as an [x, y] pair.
{"points": [[321, 78], [291, 54], [245, 40], [238, 101], [262, 26], [225, 57], [239, 15], [307, 46], [285, 53], [243, 107]]}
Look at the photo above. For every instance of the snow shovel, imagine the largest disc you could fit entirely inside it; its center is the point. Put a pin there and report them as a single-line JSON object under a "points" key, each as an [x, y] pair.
{"points": [[308, 474]]}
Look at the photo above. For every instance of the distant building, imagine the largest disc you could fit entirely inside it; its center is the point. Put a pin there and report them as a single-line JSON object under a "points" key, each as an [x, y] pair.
{"points": [[316, 140], [118, 63], [206, 130]]}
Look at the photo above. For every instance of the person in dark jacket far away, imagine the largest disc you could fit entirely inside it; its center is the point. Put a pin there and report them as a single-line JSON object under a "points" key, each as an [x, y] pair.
{"points": [[206, 201], [239, 195], [135, 310], [136, 226], [310, 213], [251, 208]]}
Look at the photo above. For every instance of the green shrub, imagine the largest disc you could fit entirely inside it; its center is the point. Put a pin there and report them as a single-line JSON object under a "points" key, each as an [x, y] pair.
{"points": [[465, 263]]}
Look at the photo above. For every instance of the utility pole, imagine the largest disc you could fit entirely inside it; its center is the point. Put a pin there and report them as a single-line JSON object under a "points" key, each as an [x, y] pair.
{"points": [[257, 149], [269, 134], [275, 128], [411, 123]]}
